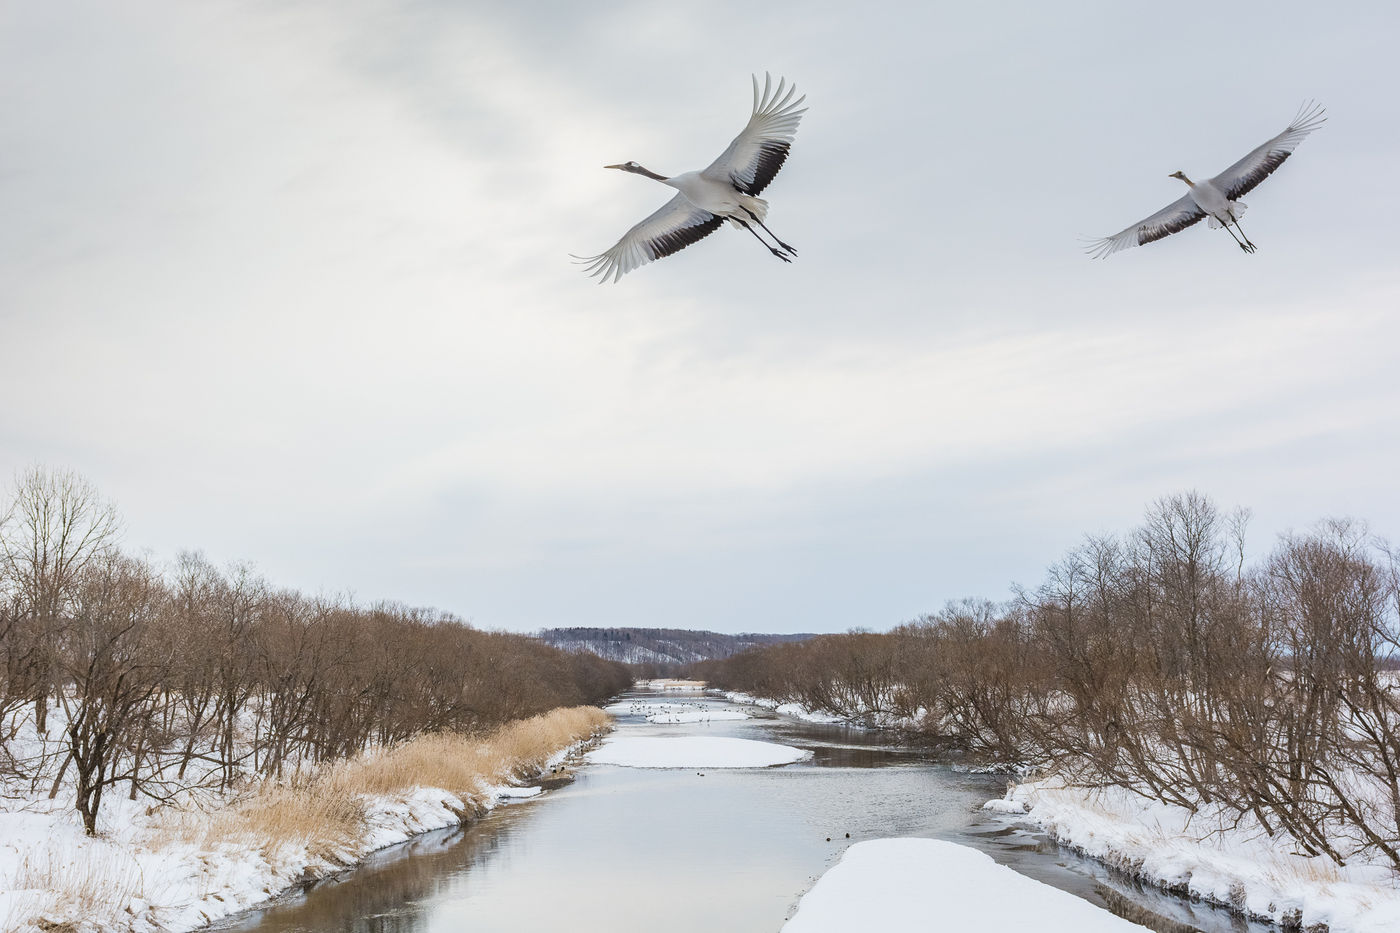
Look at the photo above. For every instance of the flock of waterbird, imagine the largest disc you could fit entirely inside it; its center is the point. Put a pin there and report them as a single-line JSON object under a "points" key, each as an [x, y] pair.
{"points": [[729, 189]]}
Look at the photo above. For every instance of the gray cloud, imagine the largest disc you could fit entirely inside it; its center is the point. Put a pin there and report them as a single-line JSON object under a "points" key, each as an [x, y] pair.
{"points": [[290, 283]]}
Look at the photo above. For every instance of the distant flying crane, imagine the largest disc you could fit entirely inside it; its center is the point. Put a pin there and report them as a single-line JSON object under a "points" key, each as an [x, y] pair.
{"points": [[727, 190], [1219, 197]]}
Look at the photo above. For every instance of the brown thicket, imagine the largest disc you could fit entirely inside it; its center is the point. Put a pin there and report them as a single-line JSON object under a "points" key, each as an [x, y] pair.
{"points": [[199, 676], [1160, 662]]}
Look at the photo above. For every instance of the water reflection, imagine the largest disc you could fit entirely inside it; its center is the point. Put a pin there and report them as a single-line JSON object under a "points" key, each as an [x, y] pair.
{"points": [[730, 851]]}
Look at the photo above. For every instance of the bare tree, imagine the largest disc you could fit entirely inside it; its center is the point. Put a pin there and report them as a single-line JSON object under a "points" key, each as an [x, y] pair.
{"points": [[111, 667], [57, 525]]}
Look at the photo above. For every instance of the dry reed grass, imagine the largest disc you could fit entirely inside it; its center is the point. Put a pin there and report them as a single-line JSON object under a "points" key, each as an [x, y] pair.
{"points": [[64, 886], [325, 812]]}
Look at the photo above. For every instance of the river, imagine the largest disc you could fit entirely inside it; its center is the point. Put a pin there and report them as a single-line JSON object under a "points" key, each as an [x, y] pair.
{"points": [[695, 849]]}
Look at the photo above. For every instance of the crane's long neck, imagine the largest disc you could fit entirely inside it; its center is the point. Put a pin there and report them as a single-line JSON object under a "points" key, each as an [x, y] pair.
{"points": [[647, 172], [1189, 182]]}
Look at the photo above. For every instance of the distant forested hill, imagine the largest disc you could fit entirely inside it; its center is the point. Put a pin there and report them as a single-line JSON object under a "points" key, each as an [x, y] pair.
{"points": [[665, 646]]}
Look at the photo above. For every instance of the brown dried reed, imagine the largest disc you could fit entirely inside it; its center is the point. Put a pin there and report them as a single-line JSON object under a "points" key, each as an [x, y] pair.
{"points": [[325, 811]]}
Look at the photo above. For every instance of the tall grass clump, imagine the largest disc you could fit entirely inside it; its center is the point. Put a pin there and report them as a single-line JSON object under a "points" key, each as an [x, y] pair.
{"points": [[325, 811], [59, 884]]}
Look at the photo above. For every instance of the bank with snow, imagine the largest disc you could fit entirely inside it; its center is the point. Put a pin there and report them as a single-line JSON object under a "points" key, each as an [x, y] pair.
{"points": [[1212, 855], [176, 868]]}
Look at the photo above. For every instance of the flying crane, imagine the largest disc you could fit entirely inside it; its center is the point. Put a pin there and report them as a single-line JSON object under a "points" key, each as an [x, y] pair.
{"points": [[728, 189], [1218, 197]]}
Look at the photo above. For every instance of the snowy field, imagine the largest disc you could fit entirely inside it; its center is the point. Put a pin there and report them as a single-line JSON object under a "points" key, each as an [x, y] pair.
{"points": [[693, 751], [1221, 860], [929, 884]]}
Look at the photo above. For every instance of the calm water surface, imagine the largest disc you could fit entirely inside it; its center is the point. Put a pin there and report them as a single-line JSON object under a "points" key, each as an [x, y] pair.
{"points": [[730, 851]]}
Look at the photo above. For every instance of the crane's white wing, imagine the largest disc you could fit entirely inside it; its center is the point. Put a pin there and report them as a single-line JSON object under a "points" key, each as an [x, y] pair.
{"points": [[675, 226], [1241, 178], [1177, 215], [756, 154]]}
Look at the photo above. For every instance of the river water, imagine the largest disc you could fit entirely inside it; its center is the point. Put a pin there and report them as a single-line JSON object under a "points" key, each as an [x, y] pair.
{"points": [[696, 850]]}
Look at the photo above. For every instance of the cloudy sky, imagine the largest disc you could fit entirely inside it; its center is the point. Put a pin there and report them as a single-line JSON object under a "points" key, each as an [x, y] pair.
{"points": [[290, 283]]}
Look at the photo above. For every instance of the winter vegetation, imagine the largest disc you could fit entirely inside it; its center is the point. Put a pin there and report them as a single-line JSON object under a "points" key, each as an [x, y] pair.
{"points": [[145, 703], [1253, 700]]}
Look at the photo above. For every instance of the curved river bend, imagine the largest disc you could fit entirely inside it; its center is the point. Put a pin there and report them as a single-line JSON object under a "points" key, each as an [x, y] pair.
{"points": [[732, 850]]}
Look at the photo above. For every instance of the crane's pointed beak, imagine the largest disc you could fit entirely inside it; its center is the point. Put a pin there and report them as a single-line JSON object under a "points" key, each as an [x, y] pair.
{"points": [[612, 166]]}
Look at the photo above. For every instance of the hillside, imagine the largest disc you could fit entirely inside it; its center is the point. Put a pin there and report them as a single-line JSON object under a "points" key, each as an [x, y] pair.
{"points": [[658, 645]]}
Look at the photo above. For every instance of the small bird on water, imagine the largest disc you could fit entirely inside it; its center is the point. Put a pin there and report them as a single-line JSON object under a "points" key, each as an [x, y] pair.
{"points": [[1218, 197], [727, 189]]}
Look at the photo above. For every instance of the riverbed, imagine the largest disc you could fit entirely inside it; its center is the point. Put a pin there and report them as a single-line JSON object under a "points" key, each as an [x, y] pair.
{"points": [[697, 849]]}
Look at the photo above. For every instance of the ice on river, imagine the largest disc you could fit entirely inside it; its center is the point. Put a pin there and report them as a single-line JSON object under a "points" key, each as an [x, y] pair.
{"points": [[911, 884], [693, 751], [670, 713], [697, 715]]}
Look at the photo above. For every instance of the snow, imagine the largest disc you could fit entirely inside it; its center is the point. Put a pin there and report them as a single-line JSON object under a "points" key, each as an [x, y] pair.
{"points": [[671, 713], [667, 683], [1213, 855], [1002, 805], [795, 710], [718, 715], [517, 793], [861, 718], [163, 869], [131, 878], [927, 884], [693, 751]]}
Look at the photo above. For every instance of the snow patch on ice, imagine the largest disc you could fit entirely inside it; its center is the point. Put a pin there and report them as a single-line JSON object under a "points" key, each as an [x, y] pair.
{"points": [[719, 715], [671, 713], [693, 751], [919, 884]]}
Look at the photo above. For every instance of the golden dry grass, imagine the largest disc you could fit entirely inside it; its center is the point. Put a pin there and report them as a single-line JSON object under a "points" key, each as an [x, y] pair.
{"points": [[325, 812]]}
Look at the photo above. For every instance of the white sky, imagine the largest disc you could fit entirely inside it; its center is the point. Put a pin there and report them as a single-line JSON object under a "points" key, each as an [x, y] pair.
{"points": [[289, 282]]}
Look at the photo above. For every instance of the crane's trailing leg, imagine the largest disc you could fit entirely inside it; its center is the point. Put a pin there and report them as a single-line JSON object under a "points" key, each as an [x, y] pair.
{"points": [[770, 232], [1226, 225], [772, 249], [1249, 247]]}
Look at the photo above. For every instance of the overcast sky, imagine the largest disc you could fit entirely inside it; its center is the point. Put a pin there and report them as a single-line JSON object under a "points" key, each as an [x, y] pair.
{"points": [[289, 283]]}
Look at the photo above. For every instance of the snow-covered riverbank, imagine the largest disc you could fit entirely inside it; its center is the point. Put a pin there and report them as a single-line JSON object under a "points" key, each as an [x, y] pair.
{"points": [[1222, 860], [169, 868]]}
